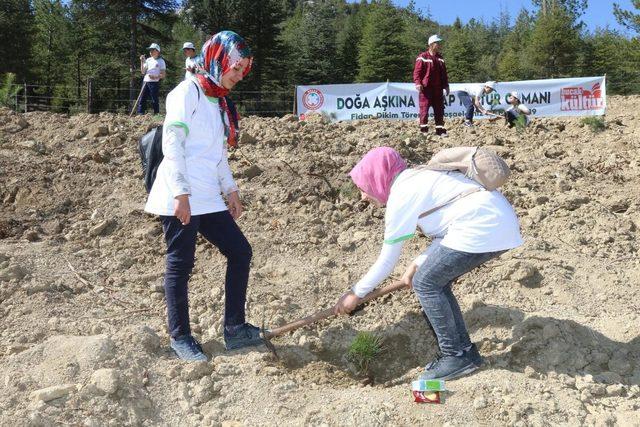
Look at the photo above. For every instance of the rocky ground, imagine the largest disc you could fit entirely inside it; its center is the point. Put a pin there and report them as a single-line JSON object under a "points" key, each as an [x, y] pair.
{"points": [[83, 340]]}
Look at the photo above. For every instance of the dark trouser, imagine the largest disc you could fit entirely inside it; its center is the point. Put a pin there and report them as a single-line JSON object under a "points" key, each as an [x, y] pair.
{"points": [[151, 91], [432, 284], [222, 231], [511, 118], [434, 98], [467, 101]]}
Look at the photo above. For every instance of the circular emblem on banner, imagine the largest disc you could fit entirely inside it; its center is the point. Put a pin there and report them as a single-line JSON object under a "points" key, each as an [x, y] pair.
{"points": [[312, 99]]}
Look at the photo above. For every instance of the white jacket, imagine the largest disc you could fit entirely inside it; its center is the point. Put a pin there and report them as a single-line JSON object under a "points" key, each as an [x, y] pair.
{"points": [[195, 155]]}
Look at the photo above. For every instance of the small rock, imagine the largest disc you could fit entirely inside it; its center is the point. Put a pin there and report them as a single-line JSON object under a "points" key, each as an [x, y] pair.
{"points": [[31, 236], [53, 392], [106, 380], [529, 372], [12, 272], [96, 131], [289, 118], [480, 402], [22, 122], [615, 390], [101, 228], [247, 138], [525, 273], [196, 370], [252, 171], [101, 156]]}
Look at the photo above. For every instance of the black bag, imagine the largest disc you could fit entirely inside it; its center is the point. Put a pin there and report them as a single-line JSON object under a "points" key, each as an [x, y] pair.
{"points": [[150, 147]]}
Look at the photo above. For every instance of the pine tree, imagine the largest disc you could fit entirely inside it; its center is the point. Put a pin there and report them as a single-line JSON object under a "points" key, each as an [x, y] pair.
{"points": [[554, 44], [459, 54], [15, 34], [628, 18], [348, 43], [383, 50], [513, 60], [51, 43]]}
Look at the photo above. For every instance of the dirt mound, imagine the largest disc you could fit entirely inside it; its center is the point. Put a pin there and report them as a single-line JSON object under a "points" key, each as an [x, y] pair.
{"points": [[81, 265]]}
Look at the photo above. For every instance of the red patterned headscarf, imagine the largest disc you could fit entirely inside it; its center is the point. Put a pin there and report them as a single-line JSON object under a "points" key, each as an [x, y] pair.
{"points": [[219, 54]]}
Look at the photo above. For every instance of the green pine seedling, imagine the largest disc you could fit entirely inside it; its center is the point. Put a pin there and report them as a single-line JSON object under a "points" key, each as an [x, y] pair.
{"points": [[366, 346]]}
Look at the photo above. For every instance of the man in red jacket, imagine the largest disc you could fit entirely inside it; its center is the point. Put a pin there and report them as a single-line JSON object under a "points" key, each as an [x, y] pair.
{"points": [[430, 78]]}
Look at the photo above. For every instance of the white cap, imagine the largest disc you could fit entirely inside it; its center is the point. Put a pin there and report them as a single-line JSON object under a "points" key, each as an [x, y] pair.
{"points": [[188, 45], [490, 84], [434, 38], [155, 46], [515, 95]]}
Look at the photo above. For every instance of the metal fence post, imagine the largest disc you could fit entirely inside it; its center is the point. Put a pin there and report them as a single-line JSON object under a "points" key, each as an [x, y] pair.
{"points": [[25, 97], [90, 95]]}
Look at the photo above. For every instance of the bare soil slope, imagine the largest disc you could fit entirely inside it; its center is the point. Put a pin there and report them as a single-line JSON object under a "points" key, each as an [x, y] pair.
{"points": [[83, 340]]}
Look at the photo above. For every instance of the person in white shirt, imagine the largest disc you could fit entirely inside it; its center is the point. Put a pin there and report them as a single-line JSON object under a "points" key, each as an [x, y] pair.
{"points": [[188, 191], [471, 98], [466, 233], [189, 51], [517, 111], [154, 69]]}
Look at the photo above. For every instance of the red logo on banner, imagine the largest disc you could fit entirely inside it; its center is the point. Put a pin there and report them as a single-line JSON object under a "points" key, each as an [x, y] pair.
{"points": [[312, 99], [578, 98]]}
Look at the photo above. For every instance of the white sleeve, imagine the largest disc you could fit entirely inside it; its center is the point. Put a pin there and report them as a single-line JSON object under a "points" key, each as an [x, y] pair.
{"points": [[380, 270], [225, 177], [181, 103], [174, 157], [420, 259]]}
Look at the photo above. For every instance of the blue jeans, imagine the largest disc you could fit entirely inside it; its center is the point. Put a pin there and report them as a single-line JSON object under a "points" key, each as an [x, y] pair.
{"points": [[432, 284], [151, 91], [221, 230], [467, 101]]}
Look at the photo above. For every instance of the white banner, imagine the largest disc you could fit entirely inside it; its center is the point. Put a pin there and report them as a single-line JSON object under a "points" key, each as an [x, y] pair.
{"points": [[582, 96]]}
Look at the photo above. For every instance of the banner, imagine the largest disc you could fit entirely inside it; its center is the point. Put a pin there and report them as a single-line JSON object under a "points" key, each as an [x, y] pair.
{"points": [[582, 96]]}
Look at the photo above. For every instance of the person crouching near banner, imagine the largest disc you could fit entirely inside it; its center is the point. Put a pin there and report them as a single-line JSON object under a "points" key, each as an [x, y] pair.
{"points": [[467, 233], [432, 84], [200, 121], [517, 112]]}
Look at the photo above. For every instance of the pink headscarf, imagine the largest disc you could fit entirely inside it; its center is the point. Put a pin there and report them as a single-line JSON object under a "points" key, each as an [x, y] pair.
{"points": [[375, 173]]}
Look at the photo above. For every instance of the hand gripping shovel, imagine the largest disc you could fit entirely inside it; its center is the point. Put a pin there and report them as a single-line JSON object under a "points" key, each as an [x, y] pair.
{"points": [[267, 334]]}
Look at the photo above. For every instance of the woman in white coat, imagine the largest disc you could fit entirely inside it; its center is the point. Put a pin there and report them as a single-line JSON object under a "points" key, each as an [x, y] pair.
{"points": [[189, 187]]}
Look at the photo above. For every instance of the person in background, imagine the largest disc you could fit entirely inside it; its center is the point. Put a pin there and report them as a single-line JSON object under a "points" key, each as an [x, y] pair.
{"points": [[432, 83], [188, 191], [154, 69], [467, 232], [189, 51], [517, 110], [471, 98]]}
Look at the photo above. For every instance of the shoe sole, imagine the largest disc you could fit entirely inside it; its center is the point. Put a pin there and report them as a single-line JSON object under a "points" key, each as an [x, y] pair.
{"points": [[253, 344], [460, 373]]}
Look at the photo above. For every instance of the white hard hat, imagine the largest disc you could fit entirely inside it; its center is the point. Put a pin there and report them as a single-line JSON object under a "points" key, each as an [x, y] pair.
{"points": [[490, 84], [155, 46], [434, 38], [188, 45]]}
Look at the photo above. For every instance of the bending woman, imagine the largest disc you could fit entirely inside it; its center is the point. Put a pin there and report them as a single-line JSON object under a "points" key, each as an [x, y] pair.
{"points": [[467, 233], [187, 192]]}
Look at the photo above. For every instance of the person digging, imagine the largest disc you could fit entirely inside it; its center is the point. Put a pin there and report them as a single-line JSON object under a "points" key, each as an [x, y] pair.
{"points": [[466, 233]]}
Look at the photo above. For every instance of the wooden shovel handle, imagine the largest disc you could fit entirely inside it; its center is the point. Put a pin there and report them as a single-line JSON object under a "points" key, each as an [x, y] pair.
{"points": [[326, 313]]}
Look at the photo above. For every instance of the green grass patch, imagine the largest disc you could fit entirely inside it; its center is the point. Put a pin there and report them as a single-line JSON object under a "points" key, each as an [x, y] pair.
{"points": [[348, 190], [595, 123]]}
